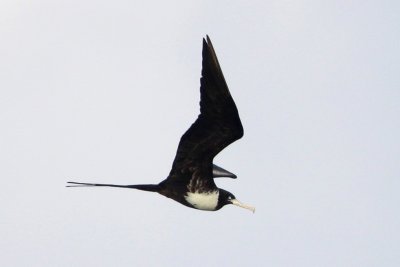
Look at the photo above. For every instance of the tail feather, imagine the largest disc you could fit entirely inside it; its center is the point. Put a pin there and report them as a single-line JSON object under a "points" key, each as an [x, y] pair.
{"points": [[144, 187]]}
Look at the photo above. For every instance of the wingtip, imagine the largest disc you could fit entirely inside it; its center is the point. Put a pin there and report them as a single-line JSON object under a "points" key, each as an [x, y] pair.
{"points": [[207, 40], [76, 184]]}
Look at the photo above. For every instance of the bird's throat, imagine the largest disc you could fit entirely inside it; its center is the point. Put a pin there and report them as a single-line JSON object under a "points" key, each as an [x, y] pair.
{"points": [[203, 201]]}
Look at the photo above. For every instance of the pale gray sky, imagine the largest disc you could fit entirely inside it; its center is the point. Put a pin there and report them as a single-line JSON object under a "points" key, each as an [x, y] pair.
{"points": [[101, 91]]}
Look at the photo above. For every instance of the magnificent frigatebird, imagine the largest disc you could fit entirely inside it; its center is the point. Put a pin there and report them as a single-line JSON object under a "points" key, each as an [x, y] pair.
{"points": [[191, 179]]}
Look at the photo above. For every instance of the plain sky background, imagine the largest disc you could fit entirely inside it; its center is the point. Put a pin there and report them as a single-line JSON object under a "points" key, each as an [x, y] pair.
{"points": [[101, 91]]}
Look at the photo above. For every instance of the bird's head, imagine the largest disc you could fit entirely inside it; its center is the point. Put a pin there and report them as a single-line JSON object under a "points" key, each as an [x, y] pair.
{"points": [[226, 198]]}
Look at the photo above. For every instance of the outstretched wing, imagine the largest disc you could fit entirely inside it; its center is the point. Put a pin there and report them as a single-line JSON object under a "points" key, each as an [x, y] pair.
{"points": [[217, 126]]}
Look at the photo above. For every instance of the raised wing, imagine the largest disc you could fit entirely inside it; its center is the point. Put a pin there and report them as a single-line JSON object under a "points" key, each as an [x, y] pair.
{"points": [[217, 126], [221, 172]]}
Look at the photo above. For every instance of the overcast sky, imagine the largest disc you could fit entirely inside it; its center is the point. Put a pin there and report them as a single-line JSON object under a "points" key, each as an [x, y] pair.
{"points": [[101, 91]]}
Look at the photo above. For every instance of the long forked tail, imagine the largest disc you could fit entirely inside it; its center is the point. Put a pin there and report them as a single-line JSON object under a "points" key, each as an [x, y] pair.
{"points": [[144, 187]]}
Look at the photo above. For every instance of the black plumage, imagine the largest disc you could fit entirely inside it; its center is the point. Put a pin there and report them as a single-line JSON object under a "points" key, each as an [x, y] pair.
{"points": [[191, 179]]}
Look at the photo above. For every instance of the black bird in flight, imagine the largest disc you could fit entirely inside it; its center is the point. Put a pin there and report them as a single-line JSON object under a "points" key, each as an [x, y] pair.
{"points": [[191, 180]]}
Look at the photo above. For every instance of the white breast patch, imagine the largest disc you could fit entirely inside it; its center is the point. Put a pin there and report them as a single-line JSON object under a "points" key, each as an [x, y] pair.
{"points": [[203, 201]]}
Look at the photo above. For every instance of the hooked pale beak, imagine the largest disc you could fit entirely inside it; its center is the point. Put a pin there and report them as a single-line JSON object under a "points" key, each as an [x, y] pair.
{"points": [[238, 203]]}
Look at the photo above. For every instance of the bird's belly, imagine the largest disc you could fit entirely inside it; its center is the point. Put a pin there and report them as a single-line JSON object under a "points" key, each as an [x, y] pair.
{"points": [[203, 201]]}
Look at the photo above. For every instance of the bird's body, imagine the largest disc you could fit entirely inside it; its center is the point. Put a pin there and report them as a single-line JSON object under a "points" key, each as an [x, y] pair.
{"points": [[191, 179]]}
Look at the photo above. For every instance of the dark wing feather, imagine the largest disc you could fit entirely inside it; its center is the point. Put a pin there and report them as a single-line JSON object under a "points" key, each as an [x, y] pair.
{"points": [[217, 126]]}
